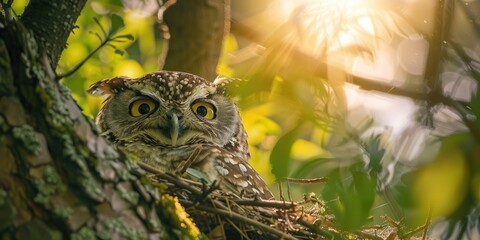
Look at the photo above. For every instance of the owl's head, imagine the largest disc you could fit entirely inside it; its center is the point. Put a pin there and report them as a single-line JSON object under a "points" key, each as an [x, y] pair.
{"points": [[168, 109]]}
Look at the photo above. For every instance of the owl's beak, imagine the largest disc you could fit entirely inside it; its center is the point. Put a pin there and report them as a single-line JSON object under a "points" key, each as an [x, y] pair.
{"points": [[174, 128]]}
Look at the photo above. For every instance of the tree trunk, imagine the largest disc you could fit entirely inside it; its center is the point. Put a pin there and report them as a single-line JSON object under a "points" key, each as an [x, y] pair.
{"points": [[197, 28], [58, 177]]}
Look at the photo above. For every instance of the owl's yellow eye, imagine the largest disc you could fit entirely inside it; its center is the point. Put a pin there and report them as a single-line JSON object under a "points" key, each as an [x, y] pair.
{"points": [[141, 107], [204, 109]]}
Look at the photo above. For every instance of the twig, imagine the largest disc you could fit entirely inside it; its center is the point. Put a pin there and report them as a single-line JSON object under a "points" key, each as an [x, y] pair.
{"points": [[390, 221], [267, 203], [238, 229], [182, 167], [280, 192], [214, 186], [316, 229], [288, 192], [427, 223], [307, 180], [79, 65]]}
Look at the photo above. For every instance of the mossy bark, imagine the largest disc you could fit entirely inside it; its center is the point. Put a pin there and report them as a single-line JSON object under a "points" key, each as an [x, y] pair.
{"points": [[58, 178], [51, 22]]}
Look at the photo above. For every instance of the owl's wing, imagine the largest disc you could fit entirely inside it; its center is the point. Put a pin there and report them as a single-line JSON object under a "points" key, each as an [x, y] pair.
{"points": [[241, 177], [238, 175]]}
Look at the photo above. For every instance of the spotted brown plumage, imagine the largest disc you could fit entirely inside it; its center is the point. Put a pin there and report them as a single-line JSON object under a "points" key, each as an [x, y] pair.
{"points": [[178, 121]]}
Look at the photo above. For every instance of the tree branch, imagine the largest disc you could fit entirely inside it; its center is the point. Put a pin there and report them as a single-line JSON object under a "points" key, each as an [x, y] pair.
{"points": [[197, 28], [51, 29], [438, 42], [320, 68]]}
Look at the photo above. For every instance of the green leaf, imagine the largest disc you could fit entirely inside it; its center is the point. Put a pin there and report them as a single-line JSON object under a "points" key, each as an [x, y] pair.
{"points": [[281, 152], [126, 36], [198, 175], [376, 152], [117, 24], [101, 28], [350, 200], [119, 51]]}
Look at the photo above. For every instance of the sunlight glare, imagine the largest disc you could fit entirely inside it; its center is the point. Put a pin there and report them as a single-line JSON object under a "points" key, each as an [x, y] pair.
{"points": [[335, 23]]}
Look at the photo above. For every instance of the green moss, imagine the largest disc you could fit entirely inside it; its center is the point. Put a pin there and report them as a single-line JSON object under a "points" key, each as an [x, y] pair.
{"points": [[64, 91], [70, 153], [45, 191], [130, 196], [91, 187], [83, 234], [51, 175], [124, 174], [62, 212], [26, 136], [56, 110], [110, 154], [119, 226]]}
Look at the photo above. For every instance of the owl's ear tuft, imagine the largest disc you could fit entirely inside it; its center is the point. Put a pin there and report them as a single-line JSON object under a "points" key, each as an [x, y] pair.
{"points": [[230, 87], [108, 86]]}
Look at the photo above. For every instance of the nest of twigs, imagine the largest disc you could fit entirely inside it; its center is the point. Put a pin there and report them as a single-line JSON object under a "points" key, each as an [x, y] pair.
{"points": [[222, 215]]}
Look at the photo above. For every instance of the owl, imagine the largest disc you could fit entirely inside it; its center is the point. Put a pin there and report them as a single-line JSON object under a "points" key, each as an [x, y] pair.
{"points": [[180, 123]]}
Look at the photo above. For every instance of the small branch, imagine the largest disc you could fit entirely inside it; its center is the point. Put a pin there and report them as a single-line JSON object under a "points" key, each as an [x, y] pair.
{"points": [[427, 223], [78, 66], [182, 167], [267, 203], [238, 229], [438, 40], [316, 229], [108, 38], [307, 180]]}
